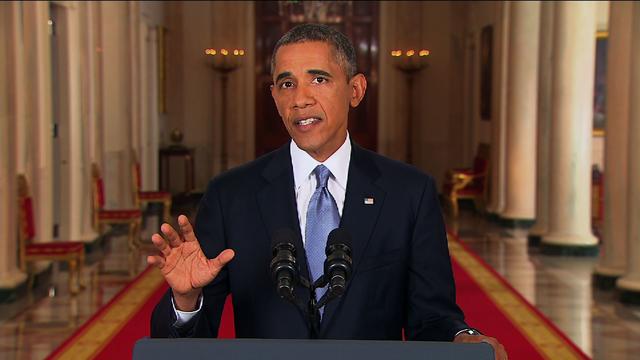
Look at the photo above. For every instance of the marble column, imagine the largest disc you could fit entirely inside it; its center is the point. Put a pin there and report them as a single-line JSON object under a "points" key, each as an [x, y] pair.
{"points": [[571, 131], [498, 128], [612, 263], [10, 275], [544, 124], [521, 112], [75, 185], [38, 161], [629, 284]]}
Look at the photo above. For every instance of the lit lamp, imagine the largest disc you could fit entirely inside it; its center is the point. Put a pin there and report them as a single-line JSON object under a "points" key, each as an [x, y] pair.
{"points": [[224, 62], [410, 62]]}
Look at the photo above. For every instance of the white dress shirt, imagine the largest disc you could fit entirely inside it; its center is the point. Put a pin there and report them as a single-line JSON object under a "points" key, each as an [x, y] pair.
{"points": [[305, 185], [305, 180]]}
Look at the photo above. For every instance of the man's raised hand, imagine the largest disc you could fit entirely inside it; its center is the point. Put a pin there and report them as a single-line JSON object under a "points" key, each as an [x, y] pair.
{"points": [[183, 264]]}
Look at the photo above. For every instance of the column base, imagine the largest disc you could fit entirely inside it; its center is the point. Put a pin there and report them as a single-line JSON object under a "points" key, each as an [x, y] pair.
{"points": [[11, 286], [630, 297], [93, 249], [492, 217], [515, 223], [534, 240], [568, 250], [629, 283], [605, 282]]}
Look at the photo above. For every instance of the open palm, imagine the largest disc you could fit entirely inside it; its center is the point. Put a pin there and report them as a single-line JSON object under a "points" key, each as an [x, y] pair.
{"points": [[181, 260]]}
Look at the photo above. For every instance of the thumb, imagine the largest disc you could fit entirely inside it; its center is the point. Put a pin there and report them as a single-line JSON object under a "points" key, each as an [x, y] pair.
{"points": [[217, 263]]}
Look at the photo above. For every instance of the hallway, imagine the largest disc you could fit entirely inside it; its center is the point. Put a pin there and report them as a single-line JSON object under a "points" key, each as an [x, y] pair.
{"points": [[560, 287]]}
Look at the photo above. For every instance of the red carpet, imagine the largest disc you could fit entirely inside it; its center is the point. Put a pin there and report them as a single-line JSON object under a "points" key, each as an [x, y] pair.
{"points": [[488, 301]]}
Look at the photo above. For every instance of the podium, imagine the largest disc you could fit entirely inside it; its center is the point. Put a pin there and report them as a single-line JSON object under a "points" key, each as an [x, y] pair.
{"points": [[267, 349]]}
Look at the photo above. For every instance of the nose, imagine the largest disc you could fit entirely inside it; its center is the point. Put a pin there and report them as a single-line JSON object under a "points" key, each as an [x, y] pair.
{"points": [[303, 97]]}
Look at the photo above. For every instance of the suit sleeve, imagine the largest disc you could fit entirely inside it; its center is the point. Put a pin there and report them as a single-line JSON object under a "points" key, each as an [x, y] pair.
{"points": [[433, 314], [209, 230]]}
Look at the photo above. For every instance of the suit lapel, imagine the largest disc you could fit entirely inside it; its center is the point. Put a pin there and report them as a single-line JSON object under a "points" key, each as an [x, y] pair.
{"points": [[277, 204], [363, 201]]}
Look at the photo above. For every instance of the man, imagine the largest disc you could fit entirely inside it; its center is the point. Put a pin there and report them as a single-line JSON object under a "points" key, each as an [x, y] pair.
{"points": [[402, 275]]}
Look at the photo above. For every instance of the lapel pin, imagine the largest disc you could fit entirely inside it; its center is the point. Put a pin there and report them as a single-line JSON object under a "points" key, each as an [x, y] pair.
{"points": [[368, 201]]}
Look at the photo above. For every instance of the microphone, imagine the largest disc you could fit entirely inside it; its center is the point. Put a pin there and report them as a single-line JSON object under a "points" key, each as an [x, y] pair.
{"points": [[283, 267], [337, 266]]}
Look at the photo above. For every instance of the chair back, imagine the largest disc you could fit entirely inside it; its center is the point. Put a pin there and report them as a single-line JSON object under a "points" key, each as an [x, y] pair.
{"points": [[26, 221]]}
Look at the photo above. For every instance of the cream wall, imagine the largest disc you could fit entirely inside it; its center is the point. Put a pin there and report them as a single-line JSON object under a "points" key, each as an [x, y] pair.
{"points": [[438, 103], [194, 92]]}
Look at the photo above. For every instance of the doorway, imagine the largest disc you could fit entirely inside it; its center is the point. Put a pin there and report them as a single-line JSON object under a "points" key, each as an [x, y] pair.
{"points": [[356, 19]]}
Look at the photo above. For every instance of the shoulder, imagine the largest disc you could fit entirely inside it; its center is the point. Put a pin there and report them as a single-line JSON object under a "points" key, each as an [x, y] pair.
{"points": [[249, 175], [394, 172]]}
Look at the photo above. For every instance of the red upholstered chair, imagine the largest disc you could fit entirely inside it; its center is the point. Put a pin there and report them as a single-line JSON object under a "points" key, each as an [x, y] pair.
{"points": [[71, 252], [142, 198], [102, 217], [468, 183]]}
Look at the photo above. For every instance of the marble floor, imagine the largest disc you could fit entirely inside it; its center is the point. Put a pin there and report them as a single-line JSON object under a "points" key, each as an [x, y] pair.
{"points": [[561, 287]]}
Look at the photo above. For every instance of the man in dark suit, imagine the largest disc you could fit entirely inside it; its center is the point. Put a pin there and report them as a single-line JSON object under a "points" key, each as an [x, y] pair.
{"points": [[402, 276]]}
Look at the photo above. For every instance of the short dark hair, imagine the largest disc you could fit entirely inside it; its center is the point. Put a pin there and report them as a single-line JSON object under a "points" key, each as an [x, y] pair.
{"points": [[345, 52]]}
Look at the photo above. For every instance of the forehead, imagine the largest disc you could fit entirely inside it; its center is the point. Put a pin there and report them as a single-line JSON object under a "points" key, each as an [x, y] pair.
{"points": [[307, 55]]}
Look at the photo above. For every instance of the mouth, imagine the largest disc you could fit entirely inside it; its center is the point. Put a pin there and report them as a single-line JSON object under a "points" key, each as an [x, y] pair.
{"points": [[307, 123]]}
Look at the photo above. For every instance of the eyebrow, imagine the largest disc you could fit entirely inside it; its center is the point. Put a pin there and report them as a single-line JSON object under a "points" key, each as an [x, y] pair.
{"points": [[283, 75], [319, 72], [311, 71]]}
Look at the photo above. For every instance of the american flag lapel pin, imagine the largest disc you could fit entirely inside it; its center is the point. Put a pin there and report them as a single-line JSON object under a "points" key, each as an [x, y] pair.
{"points": [[368, 201]]}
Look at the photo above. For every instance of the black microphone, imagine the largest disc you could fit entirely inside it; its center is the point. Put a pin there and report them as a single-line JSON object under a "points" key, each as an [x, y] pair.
{"points": [[284, 269], [337, 266]]}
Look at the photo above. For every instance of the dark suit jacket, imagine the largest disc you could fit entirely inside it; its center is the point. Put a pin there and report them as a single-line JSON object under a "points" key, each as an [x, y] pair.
{"points": [[401, 279]]}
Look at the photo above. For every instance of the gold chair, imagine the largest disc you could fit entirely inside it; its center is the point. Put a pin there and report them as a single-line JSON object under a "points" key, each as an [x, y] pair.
{"points": [[142, 198], [468, 183], [71, 252], [102, 217]]}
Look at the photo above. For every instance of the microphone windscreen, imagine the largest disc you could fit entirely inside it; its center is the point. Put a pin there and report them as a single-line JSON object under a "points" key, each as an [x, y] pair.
{"points": [[339, 236], [283, 236]]}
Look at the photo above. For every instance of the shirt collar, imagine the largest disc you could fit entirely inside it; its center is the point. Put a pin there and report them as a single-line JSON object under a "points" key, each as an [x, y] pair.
{"points": [[337, 163]]}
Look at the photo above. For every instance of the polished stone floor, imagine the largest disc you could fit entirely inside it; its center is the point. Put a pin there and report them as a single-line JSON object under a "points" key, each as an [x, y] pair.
{"points": [[561, 287]]}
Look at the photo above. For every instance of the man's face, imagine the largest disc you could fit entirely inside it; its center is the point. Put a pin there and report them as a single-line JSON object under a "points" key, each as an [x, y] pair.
{"points": [[313, 95]]}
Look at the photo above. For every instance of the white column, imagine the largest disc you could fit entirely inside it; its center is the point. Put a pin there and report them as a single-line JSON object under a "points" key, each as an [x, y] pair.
{"points": [[39, 141], [630, 282], [75, 185], [116, 104], [521, 111], [498, 128], [544, 122], [89, 118], [614, 236], [10, 276], [571, 129]]}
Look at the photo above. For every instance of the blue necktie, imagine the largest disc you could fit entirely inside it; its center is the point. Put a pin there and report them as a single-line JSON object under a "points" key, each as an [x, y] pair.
{"points": [[322, 217]]}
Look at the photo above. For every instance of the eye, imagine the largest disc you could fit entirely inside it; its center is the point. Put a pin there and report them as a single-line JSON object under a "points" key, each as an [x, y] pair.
{"points": [[286, 84], [320, 80]]}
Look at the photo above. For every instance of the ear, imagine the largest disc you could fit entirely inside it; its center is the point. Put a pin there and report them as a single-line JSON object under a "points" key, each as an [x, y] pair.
{"points": [[358, 84]]}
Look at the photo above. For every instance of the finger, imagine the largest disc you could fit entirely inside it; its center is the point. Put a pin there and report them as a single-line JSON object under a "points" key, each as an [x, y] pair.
{"points": [[161, 244], [186, 229], [171, 235], [221, 260], [498, 349], [501, 353], [157, 261]]}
